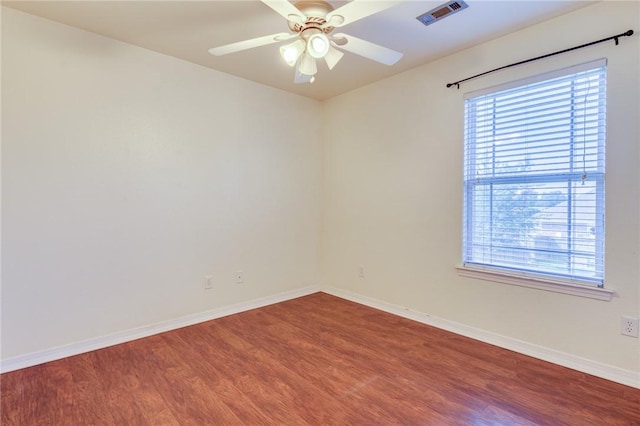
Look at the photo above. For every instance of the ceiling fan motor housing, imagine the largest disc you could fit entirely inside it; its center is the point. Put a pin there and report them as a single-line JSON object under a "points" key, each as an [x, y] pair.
{"points": [[315, 12]]}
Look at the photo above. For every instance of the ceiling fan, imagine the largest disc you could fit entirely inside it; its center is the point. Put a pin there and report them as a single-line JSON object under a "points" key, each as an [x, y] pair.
{"points": [[311, 23]]}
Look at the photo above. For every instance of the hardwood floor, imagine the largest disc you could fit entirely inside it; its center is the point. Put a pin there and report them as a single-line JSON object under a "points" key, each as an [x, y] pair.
{"points": [[316, 360]]}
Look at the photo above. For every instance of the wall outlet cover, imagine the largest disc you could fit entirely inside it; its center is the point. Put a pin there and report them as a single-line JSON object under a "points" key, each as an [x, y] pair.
{"points": [[208, 282], [629, 326]]}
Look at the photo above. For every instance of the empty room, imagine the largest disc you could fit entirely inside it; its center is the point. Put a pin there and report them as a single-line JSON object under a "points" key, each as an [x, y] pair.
{"points": [[320, 212]]}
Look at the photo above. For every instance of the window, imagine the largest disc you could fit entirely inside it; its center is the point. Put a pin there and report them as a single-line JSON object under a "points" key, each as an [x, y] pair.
{"points": [[534, 163]]}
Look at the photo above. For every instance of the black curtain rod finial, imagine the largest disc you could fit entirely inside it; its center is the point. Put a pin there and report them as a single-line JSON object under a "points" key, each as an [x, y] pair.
{"points": [[615, 38]]}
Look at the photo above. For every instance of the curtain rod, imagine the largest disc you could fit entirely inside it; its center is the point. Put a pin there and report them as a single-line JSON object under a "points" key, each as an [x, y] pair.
{"points": [[615, 37]]}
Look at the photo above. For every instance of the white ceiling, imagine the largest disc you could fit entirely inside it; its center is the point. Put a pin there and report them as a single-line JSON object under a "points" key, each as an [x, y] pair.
{"points": [[187, 29]]}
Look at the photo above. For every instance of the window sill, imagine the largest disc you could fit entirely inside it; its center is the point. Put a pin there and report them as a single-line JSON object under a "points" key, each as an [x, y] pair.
{"points": [[542, 283]]}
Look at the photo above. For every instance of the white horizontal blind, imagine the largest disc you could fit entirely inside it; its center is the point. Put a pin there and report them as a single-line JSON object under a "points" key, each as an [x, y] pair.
{"points": [[534, 176]]}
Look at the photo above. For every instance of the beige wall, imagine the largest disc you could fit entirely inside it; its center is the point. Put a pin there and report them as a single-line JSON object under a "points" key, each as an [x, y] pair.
{"points": [[127, 176], [393, 192]]}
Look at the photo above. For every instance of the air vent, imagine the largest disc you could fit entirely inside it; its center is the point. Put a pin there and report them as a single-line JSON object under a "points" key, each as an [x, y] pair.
{"points": [[442, 11]]}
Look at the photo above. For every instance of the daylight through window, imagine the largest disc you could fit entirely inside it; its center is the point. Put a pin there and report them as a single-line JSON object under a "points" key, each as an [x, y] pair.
{"points": [[534, 163]]}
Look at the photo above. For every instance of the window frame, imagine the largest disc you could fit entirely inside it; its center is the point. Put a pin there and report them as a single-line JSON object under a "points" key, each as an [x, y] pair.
{"points": [[535, 278]]}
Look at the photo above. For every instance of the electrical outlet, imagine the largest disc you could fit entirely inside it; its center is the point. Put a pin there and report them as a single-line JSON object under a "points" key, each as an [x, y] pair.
{"points": [[629, 326], [361, 272], [208, 282], [239, 277]]}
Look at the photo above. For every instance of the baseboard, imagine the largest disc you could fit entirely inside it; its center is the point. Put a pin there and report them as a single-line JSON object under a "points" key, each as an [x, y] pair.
{"points": [[35, 358], [615, 374]]}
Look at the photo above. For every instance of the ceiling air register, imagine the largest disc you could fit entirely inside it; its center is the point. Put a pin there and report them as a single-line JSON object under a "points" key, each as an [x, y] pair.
{"points": [[442, 11]]}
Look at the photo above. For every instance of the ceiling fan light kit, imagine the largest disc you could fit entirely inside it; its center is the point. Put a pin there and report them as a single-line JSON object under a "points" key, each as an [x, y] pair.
{"points": [[308, 65], [291, 52], [317, 43], [312, 21]]}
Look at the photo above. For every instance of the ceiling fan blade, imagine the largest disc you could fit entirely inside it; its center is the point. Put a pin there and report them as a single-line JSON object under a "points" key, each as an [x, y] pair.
{"points": [[355, 10], [332, 57], [287, 10], [250, 44], [337, 41], [369, 50]]}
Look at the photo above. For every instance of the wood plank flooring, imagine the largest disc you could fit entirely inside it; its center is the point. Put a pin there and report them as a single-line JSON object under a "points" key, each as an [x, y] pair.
{"points": [[316, 360]]}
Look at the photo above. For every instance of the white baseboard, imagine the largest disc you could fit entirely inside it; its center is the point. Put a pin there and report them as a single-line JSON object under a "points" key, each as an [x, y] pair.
{"points": [[77, 348], [619, 375], [615, 374]]}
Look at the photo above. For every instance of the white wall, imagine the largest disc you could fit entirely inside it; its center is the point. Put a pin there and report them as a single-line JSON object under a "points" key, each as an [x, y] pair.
{"points": [[127, 176], [393, 192]]}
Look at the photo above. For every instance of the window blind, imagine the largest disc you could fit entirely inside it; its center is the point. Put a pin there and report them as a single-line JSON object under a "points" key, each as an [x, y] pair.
{"points": [[534, 163]]}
